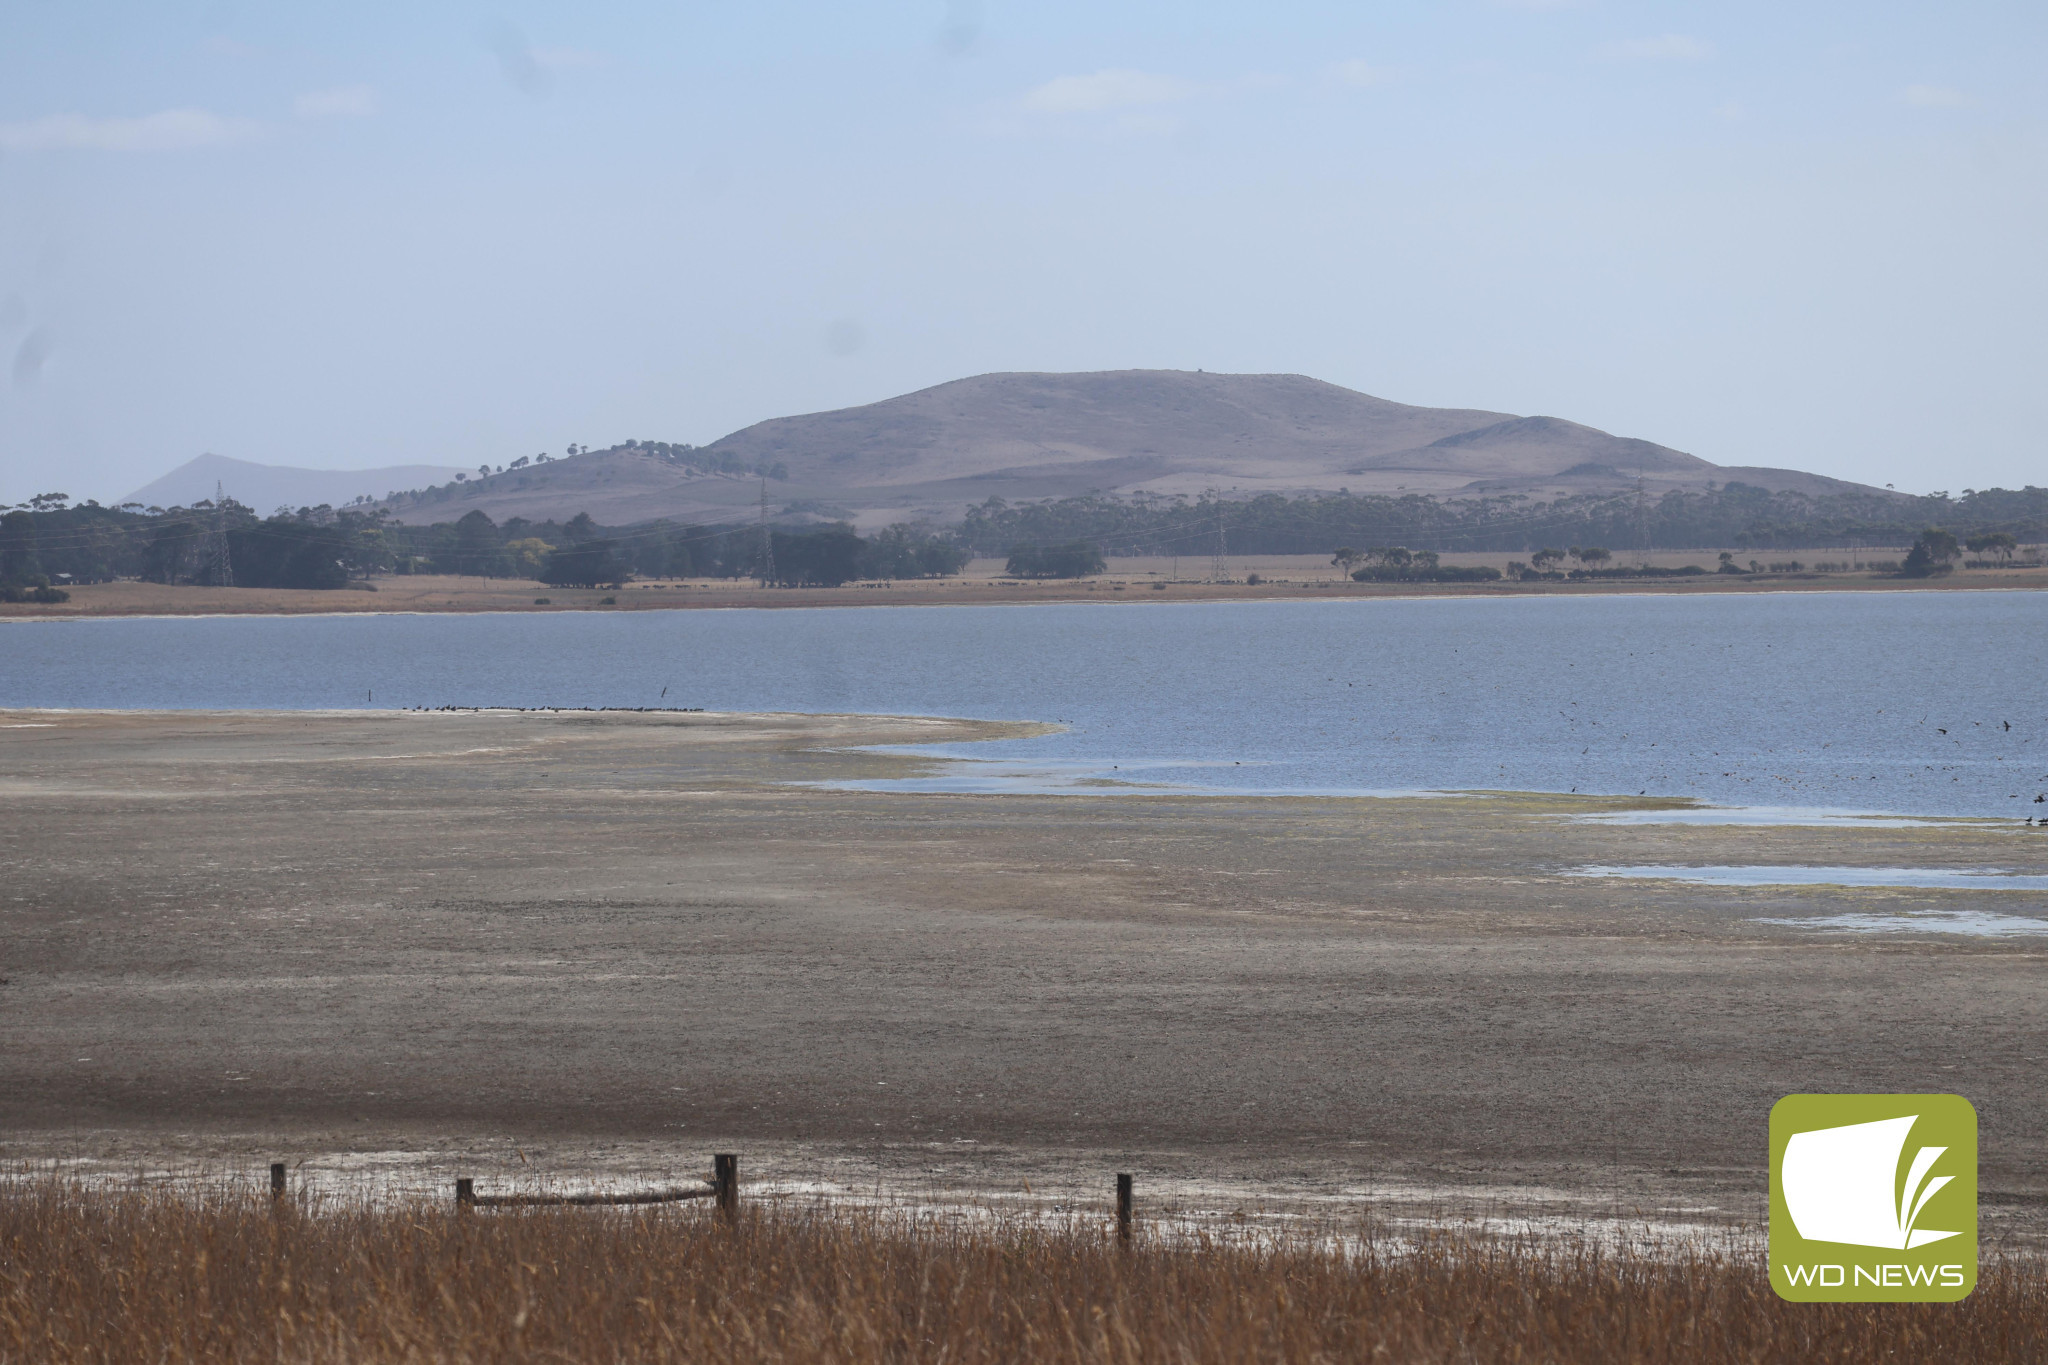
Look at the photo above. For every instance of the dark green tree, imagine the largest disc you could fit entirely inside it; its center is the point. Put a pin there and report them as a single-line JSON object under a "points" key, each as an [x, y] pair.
{"points": [[1075, 559], [903, 552], [1932, 554], [1996, 543], [286, 552], [478, 548], [18, 560], [587, 564], [826, 557]]}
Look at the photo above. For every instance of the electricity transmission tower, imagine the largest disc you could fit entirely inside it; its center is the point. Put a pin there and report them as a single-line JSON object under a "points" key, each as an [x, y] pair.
{"points": [[1642, 524], [767, 541], [219, 570], [1217, 570]]}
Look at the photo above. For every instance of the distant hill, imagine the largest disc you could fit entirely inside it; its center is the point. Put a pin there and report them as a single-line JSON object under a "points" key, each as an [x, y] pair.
{"points": [[1027, 436], [267, 487]]}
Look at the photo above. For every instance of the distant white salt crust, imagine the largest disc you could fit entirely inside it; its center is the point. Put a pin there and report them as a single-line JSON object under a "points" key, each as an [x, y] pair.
{"points": [[962, 774], [1932, 879], [1973, 923], [1766, 815]]}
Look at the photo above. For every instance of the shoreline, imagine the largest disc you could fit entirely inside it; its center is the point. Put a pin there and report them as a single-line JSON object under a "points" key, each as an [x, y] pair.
{"points": [[445, 596], [912, 751]]}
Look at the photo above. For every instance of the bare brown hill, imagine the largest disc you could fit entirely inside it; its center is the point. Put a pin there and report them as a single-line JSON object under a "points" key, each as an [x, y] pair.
{"points": [[1019, 436]]}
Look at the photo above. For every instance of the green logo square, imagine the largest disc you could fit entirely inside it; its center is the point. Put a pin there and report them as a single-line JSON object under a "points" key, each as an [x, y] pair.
{"points": [[1873, 1198]]}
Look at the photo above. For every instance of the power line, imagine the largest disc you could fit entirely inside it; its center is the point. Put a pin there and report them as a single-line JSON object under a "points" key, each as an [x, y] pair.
{"points": [[767, 541]]}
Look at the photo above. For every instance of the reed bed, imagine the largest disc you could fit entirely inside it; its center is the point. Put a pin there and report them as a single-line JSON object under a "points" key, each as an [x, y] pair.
{"points": [[157, 1276]]}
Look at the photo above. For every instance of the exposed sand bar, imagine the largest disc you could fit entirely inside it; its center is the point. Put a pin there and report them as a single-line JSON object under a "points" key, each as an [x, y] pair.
{"points": [[617, 942]]}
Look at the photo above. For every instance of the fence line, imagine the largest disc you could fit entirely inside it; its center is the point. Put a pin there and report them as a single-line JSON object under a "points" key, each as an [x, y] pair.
{"points": [[724, 1186]]}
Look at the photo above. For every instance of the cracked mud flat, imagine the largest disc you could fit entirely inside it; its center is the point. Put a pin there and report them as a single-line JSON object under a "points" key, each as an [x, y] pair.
{"points": [[587, 950]]}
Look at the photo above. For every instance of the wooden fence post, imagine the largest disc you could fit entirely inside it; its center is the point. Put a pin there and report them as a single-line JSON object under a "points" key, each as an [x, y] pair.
{"points": [[725, 1169], [1123, 1208], [465, 1192], [277, 1180]]}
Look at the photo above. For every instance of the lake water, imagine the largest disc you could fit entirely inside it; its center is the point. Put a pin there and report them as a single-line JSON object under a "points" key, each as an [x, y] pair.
{"points": [[1927, 703]]}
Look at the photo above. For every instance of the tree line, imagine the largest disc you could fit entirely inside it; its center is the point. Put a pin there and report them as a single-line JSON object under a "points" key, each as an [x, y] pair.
{"points": [[48, 544], [1735, 514]]}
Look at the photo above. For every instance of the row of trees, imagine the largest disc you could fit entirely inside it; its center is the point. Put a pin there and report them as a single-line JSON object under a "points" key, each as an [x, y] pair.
{"points": [[1936, 552], [822, 556], [1736, 514], [49, 541], [21, 574], [1400, 559], [1399, 564], [322, 547], [46, 540]]}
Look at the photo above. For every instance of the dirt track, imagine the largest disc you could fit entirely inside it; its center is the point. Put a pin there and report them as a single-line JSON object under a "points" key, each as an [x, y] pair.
{"points": [[614, 937]]}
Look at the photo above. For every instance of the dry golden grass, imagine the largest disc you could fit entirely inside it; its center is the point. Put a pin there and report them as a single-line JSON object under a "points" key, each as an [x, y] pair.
{"points": [[157, 1277]]}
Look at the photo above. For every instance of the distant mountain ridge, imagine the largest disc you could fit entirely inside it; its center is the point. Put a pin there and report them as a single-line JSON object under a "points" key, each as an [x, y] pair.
{"points": [[265, 487], [1025, 436]]}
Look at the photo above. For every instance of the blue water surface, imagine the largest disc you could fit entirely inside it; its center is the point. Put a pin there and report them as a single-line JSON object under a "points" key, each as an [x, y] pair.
{"points": [[1927, 702]]}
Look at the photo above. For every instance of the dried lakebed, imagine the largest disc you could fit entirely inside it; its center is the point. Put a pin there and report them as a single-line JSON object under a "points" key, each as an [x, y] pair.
{"points": [[1948, 879], [586, 945], [2031, 917]]}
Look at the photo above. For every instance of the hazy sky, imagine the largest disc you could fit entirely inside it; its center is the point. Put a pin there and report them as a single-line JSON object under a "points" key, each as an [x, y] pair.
{"points": [[359, 234]]}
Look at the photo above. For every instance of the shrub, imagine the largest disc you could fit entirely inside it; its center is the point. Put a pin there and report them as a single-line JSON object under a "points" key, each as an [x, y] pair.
{"points": [[1479, 573], [37, 592], [1648, 571]]}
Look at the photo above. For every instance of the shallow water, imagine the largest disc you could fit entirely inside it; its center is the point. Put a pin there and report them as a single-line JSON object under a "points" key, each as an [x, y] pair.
{"points": [[1918, 703], [1970, 923]]}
